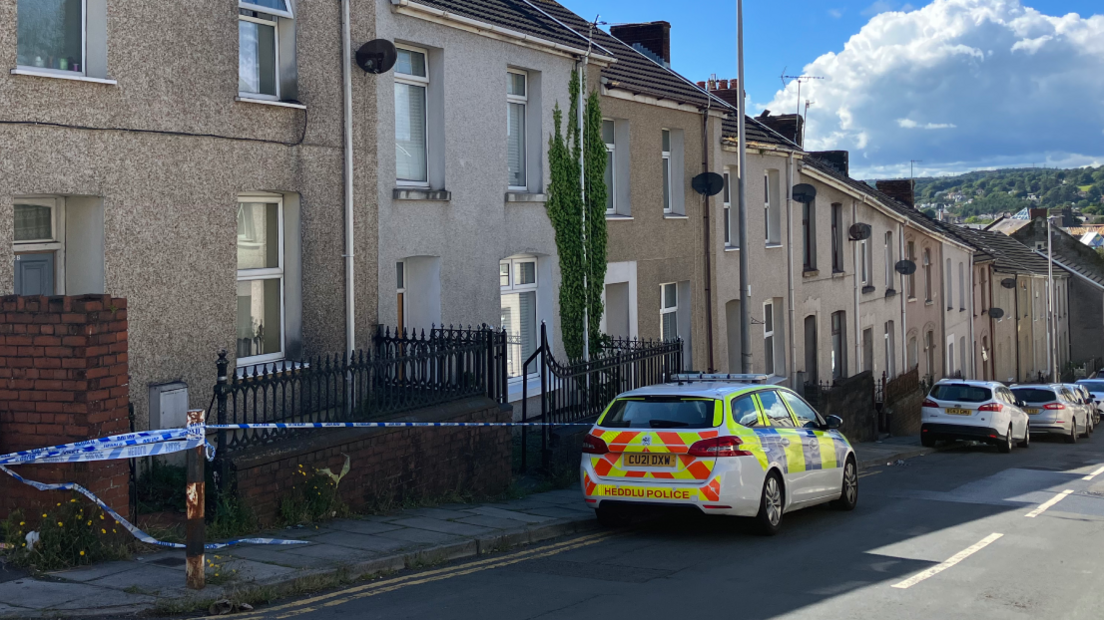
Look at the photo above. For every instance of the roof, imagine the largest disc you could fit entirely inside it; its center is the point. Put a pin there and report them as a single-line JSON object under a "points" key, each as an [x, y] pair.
{"points": [[518, 15], [698, 389], [755, 131], [1008, 255], [1073, 265]]}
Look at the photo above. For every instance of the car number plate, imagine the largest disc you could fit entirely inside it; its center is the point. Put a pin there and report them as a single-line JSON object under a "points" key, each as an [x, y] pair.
{"points": [[648, 459], [1031, 411], [958, 411]]}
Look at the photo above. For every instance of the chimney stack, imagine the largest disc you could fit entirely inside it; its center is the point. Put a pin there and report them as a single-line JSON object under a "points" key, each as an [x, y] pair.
{"points": [[899, 190], [727, 91], [790, 126], [840, 161], [652, 38]]}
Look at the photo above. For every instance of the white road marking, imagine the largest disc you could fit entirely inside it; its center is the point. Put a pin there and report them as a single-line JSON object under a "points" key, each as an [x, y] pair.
{"points": [[939, 568], [1047, 504], [1094, 474]]}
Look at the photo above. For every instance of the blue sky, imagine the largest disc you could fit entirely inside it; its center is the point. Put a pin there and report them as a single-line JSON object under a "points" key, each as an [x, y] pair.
{"points": [[795, 33]]}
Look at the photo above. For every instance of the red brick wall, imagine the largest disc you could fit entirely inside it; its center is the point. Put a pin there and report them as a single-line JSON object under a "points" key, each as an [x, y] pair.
{"points": [[63, 378], [387, 464]]}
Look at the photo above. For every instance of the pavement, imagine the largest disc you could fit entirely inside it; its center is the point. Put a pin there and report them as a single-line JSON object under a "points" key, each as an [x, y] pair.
{"points": [[407, 539]]}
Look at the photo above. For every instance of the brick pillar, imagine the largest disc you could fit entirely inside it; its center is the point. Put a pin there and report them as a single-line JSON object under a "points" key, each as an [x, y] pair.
{"points": [[63, 378]]}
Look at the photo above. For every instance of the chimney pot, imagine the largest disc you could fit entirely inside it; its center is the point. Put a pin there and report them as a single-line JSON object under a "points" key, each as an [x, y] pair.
{"points": [[701, 84], [724, 84]]}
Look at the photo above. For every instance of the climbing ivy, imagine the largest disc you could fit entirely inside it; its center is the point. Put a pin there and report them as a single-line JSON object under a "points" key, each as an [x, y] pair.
{"points": [[565, 210]]}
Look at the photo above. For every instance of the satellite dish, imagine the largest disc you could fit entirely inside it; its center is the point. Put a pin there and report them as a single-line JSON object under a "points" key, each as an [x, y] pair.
{"points": [[708, 184], [377, 56], [905, 267], [859, 232], [996, 313], [804, 193], [1008, 283]]}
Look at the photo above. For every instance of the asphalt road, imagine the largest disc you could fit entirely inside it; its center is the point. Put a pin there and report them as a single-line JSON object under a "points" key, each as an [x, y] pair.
{"points": [[957, 534]]}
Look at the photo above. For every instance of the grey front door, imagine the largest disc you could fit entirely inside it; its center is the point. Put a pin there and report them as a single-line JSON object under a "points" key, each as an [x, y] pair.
{"points": [[34, 274]]}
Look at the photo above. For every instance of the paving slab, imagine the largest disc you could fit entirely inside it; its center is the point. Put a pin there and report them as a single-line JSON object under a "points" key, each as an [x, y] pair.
{"points": [[333, 553], [35, 594], [358, 526], [249, 570], [107, 598], [447, 527], [88, 573], [148, 578], [436, 513], [165, 559], [361, 541], [561, 512], [517, 515], [524, 504], [422, 537], [280, 557], [497, 523]]}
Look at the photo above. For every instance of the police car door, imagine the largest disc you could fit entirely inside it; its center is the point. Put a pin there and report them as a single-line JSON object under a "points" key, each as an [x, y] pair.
{"points": [[820, 448], [788, 439]]}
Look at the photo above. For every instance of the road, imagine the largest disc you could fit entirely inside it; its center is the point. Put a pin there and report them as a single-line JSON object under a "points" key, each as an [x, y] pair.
{"points": [[967, 533]]}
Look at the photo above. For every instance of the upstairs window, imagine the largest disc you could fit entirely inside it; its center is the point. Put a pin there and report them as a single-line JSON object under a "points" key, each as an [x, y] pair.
{"points": [[727, 194], [667, 171], [516, 100], [768, 338], [837, 238], [51, 35], [259, 47], [808, 234], [910, 283], [927, 277], [609, 137], [411, 149], [889, 260]]}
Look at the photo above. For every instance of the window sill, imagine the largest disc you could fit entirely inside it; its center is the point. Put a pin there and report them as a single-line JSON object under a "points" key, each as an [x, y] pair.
{"points": [[76, 77], [514, 392], [617, 217], [866, 290], [731, 248], [809, 273], [890, 293], [962, 309], [423, 194], [929, 303], [279, 104], [839, 274], [911, 299], [773, 245], [523, 196], [264, 369], [674, 216]]}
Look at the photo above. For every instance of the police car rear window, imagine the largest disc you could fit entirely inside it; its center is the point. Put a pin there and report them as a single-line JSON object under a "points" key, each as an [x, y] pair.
{"points": [[660, 412], [1035, 395], [961, 393]]}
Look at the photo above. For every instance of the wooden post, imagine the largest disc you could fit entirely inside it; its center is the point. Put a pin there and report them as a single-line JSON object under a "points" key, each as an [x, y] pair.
{"points": [[195, 496]]}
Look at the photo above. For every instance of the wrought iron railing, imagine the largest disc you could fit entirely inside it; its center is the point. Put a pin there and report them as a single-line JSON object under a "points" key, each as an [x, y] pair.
{"points": [[403, 372], [581, 390]]}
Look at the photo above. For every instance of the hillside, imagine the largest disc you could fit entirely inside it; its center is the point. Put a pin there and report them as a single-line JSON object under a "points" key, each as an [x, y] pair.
{"points": [[988, 192]]}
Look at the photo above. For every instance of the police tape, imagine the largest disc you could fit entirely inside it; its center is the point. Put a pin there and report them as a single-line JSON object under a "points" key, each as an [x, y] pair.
{"points": [[307, 425], [95, 445]]}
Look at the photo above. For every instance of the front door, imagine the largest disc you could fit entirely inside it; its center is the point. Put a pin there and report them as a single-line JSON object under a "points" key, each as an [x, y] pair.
{"points": [[34, 273]]}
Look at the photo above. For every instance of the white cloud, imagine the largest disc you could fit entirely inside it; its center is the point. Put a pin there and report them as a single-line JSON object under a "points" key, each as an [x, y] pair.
{"points": [[960, 84], [884, 6], [836, 13]]}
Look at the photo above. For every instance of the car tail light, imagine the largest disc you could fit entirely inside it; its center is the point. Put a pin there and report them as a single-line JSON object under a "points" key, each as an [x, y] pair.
{"points": [[1054, 406], [990, 407], [594, 445], [718, 446], [929, 403]]}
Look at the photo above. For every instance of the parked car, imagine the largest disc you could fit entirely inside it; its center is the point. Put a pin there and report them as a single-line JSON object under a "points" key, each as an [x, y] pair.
{"points": [[720, 444], [1096, 391], [983, 411], [1085, 399], [1052, 408]]}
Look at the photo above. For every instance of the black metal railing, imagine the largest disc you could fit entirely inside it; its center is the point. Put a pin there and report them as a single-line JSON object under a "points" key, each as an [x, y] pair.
{"points": [[405, 371], [579, 391]]}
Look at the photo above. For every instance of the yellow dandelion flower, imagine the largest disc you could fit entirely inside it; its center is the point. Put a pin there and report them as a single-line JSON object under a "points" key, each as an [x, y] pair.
{"points": [[44, 516], [59, 503], [21, 523], [72, 501], [101, 517], [216, 574], [114, 531], [103, 531], [82, 553], [60, 524], [90, 522]]}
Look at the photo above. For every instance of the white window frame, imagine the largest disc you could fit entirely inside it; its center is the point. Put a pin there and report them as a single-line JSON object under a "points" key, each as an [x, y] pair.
{"points": [[514, 288], [249, 6], [423, 82], [889, 259], [664, 309], [950, 284], [890, 350], [726, 195], [768, 338], [268, 273], [865, 256], [523, 101], [910, 248], [55, 244], [400, 289], [927, 275], [767, 205], [961, 286], [668, 206], [275, 42], [84, 50], [611, 148]]}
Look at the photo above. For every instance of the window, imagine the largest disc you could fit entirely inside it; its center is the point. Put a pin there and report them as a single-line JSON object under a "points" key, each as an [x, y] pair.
{"points": [[911, 281], [661, 412], [927, 275], [668, 313], [768, 338], [950, 370], [727, 193], [806, 416], [913, 353], [812, 372], [961, 287], [808, 232], [929, 352], [962, 356], [608, 136], [890, 350], [35, 220], [39, 246], [864, 255], [266, 50], [744, 411], [667, 171], [837, 238], [888, 255], [51, 35], [400, 268], [411, 148], [776, 412], [517, 280], [516, 98], [868, 349], [839, 345], [950, 286], [260, 313], [767, 207]]}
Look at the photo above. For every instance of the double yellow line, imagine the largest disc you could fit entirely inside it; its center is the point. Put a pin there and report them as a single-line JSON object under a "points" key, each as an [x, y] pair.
{"points": [[341, 597]]}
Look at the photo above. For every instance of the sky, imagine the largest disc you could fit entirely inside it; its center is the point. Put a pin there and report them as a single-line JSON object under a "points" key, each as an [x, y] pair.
{"points": [[956, 85]]}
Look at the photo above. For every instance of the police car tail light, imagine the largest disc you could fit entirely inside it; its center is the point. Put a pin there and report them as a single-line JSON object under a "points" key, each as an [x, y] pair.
{"points": [[1054, 406], [929, 403], [594, 445], [718, 446], [990, 407]]}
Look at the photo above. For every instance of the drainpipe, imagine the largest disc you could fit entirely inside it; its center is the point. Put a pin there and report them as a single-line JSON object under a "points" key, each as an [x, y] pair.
{"points": [[973, 343], [707, 205], [858, 283], [903, 356], [790, 275], [350, 266], [1016, 303]]}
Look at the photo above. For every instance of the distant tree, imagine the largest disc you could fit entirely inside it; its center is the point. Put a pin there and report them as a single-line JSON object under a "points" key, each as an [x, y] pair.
{"points": [[929, 212]]}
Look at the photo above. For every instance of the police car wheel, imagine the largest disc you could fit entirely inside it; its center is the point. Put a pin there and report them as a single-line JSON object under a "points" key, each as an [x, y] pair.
{"points": [[611, 516], [849, 495], [770, 505]]}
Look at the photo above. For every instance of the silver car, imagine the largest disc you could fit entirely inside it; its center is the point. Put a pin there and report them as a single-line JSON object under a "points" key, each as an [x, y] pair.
{"points": [[1096, 392], [1053, 408], [1081, 393]]}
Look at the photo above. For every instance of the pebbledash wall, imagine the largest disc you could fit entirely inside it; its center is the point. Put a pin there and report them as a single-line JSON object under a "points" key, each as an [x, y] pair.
{"points": [[387, 465], [63, 378]]}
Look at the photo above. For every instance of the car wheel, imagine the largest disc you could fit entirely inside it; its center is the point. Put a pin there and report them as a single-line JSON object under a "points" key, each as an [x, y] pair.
{"points": [[1090, 425], [1072, 437], [849, 495], [1026, 443], [771, 505], [611, 516], [1006, 447], [927, 441]]}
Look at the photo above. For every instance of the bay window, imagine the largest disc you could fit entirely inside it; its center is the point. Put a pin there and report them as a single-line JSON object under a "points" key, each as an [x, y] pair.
{"points": [[411, 84], [260, 310]]}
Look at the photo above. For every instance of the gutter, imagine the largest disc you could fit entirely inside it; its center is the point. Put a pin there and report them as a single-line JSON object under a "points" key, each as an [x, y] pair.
{"points": [[350, 248]]}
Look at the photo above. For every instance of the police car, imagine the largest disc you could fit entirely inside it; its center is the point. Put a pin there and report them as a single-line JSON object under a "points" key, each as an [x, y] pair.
{"points": [[725, 444]]}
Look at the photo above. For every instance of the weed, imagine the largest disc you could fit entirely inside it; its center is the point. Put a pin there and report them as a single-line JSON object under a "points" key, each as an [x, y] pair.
{"points": [[73, 533], [314, 497], [217, 573], [232, 519]]}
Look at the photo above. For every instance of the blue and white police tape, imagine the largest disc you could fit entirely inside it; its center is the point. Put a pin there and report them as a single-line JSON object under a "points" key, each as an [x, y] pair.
{"points": [[303, 425], [94, 445]]}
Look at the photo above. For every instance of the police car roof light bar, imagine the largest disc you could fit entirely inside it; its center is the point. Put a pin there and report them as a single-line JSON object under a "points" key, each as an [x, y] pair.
{"points": [[691, 377]]}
